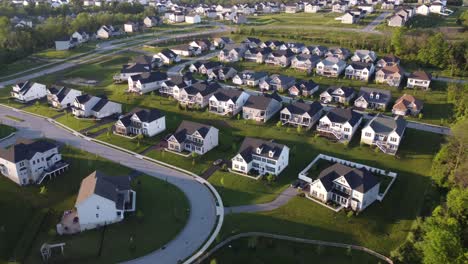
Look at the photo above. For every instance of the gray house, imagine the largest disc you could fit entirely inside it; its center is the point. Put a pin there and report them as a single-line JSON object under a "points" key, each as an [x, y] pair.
{"points": [[301, 114], [261, 107], [370, 98]]}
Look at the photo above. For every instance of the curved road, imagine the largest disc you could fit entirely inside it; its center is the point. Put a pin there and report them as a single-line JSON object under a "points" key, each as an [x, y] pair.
{"points": [[202, 219], [282, 199]]}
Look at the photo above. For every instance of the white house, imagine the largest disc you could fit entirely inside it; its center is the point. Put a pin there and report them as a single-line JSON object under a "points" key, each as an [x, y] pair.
{"points": [[146, 82], [372, 98], [81, 36], [228, 101], [102, 200], [359, 70], [105, 32], [339, 124], [385, 132], [423, 10], [131, 27], [168, 56], [29, 162], [65, 44], [419, 79], [330, 67], [142, 122], [193, 137], [62, 98], [301, 114], [87, 105], [347, 186], [261, 108], [342, 95], [28, 91], [192, 19], [261, 157], [368, 56]]}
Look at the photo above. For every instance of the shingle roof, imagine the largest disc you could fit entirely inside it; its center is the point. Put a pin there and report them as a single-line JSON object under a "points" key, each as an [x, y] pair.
{"points": [[261, 101], [360, 180], [405, 100], [102, 185], [25, 150], [149, 77], [361, 65], [99, 105], [341, 115], [250, 145], [82, 99], [226, 94], [385, 124], [300, 108], [188, 128], [420, 75], [370, 95]]}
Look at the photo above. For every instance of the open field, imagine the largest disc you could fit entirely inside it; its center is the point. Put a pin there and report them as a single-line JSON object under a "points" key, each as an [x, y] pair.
{"points": [[32, 216], [63, 54], [274, 251], [20, 65]]}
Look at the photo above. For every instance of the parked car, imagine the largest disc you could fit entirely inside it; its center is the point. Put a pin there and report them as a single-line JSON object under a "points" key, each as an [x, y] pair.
{"points": [[217, 162]]}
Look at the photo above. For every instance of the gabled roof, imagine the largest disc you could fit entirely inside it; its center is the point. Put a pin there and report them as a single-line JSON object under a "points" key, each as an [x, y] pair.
{"points": [[188, 128], [420, 75], [261, 102], [305, 85], [149, 77], [403, 103], [25, 149], [341, 115], [371, 94], [84, 98], [360, 180], [136, 68], [204, 88], [168, 53], [102, 185], [226, 94], [99, 105], [249, 146], [386, 124], [392, 69], [361, 65], [148, 116], [347, 91], [63, 93], [300, 108]]}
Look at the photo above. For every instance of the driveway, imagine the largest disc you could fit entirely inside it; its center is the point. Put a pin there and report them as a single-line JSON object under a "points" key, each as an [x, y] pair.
{"points": [[371, 26], [279, 201], [202, 217]]}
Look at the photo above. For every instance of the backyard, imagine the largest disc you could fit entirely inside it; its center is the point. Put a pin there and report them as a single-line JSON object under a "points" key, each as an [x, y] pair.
{"points": [[34, 213]]}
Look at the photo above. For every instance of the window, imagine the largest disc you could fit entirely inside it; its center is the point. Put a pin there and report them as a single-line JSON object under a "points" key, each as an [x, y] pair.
{"points": [[346, 129], [97, 215], [97, 207], [368, 134], [392, 139]]}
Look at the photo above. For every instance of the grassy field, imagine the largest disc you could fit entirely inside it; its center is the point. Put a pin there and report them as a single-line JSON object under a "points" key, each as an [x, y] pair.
{"points": [[266, 250], [6, 130], [19, 66], [150, 231], [298, 19], [435, 20], [63, 54]]}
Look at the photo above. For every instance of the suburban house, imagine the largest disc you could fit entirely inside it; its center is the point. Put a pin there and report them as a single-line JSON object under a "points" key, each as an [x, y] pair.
{"points": [[152, 21], [146, 82], [232, 55], [131, 27], [197, 94], [340, 53], [372, 98], [303, 88], [339, 124], [168, 56], [176, 17], [301, 114], [407, 105], [423, 10], [280, 57], [311, 8], [81, 36], [249, 78], [62, 98], [261, 108], [87, 105], [193, 137], [28, 162], [364, 56], [28, 91], [342, 95], [359, 70], [65, 43], [315, 50], [228, 101], [330, 67], [396, 21], [141, 122], [131, 70], [252, 42], [277, 82], [339, 7], [192, 19], [221, 42], [349, 18], [385, 132], [185, 50], [347, 186], [305, 62], [391, 75], [102, 200], [419, 79], [388, 60], [222, 74], [261, 157], [107, 31], [239, 19], [176, 83], [202, 44]]}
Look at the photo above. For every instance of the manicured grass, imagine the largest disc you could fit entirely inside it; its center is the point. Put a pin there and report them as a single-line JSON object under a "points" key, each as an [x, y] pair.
{"points": [[267, 250], [298, 19], [130, 144], [19, 66], [434, 20], [6, 130], [42, 109], [63, 54], [74, 123]]}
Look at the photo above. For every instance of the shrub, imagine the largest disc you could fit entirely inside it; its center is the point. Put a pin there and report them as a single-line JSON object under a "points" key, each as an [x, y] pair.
{"points": [[350, 214]]}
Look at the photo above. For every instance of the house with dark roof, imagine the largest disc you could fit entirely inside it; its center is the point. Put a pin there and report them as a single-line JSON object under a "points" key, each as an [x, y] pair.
{"points": [[28, 161], [391, 75], [407, 105], [252, 42], [342, 95], [305, 62], [350, 187], [227, 101], [197, 94], [193, 137], [222, 74], [258, 156], [303, 88], [340, 53], [280, 58], [62, 97], [249, 78], [152, 21], [301, 114], [359, 70], [185, 50], [168, 56], [277, 82], [261, 108], [385, 132], [86, 106], [102, 200], [419, 79], [231, 55], [131, 70], [368, 56], [146, 82], [330, 67], [202, 44], [339, 124], [28, 91], [176, 83], [372, 98], [141, 122], [387, 60]]}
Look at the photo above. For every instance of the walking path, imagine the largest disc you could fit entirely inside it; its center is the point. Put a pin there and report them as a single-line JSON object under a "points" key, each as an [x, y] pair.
{"points": [[374, 23], [293, 239], [279, 201], [206, 208]]}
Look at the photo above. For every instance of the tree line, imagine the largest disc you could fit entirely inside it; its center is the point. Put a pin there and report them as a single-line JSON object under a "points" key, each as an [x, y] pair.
{"points": [[442, 237]]}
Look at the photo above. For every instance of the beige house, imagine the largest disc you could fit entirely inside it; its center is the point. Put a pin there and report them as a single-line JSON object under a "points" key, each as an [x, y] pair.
{"points": [[419, 79], [390, 75], [407, 105]]}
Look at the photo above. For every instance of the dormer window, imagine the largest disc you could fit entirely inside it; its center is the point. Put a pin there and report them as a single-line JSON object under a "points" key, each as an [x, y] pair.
{"points": [[377, 96], [259, 150], [271, 153], [371, 95]]}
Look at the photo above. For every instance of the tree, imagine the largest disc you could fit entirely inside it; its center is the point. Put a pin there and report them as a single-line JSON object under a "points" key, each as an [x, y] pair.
{"points": [[457, 203], [299, 129], [435, 51], [43, 190], [396, 41], [270, 178], [279, 124]]}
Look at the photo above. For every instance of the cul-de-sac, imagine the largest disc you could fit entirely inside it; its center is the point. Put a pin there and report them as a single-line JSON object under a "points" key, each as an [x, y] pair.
{"points": [[226, 132]]}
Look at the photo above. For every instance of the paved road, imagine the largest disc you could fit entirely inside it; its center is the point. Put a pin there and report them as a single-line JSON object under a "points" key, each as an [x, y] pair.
{"points": [[176, 69], [202, 218], [371, 26], [279, 201], [445, 79]]}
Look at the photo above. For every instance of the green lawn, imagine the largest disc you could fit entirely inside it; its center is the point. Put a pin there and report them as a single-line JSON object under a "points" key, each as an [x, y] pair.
{"points": [[267, 250], [6, 130], [298, 19], [42, 109], [74, 123], [63, 54], [19, 66], [435, 20], [160, 220]]}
